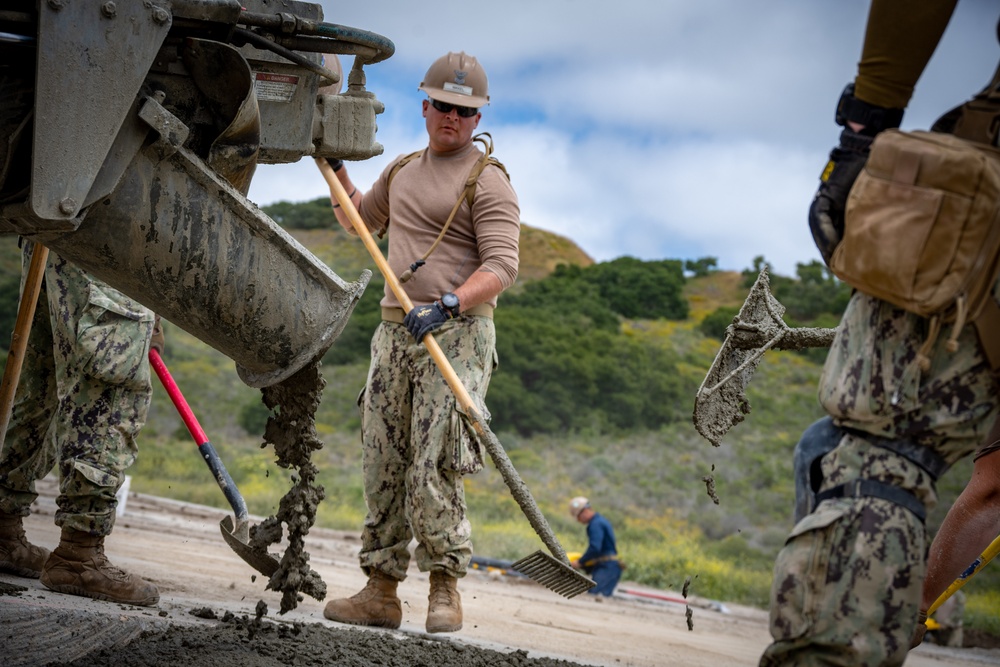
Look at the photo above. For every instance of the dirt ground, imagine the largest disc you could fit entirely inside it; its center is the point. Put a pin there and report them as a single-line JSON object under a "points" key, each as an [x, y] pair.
{"points": [[214, 611]]}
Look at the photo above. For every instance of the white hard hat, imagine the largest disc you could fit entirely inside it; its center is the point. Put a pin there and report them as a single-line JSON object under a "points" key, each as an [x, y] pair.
{"points": [[577, 505], [457, 78]]}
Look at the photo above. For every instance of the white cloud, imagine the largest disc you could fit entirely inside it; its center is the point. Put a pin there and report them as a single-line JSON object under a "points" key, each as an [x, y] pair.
{"points": [[654, 128]]}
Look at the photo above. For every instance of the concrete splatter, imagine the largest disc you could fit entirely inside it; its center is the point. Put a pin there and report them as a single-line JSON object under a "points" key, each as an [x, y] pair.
{"points": [[688, 612], [710, 486], [291, 428]]}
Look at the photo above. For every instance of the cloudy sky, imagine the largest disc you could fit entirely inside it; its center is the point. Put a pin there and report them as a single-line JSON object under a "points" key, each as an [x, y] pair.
{"points": [[650, 128]]}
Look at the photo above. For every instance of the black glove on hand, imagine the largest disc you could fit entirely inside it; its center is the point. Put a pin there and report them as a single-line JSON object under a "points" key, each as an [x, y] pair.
{"points": [[424, 319], [336, 163], [826, 213]]}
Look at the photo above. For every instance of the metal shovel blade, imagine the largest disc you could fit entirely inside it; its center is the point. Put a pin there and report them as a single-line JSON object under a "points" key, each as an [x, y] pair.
{"points": [[553, 574], [239, 541]]}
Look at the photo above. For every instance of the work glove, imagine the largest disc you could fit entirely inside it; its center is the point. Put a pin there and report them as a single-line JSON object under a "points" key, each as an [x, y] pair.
{"points": [[424, 319], [826, 213], [918, 634], [157, 341], [336, 163]]}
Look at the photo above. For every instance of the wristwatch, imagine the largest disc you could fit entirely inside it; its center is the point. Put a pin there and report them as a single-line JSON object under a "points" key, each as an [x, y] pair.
{"points": [[450, 303]]}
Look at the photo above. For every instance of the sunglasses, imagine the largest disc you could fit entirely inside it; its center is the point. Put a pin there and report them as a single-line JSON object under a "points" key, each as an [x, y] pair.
{"points": [[444, 107]]}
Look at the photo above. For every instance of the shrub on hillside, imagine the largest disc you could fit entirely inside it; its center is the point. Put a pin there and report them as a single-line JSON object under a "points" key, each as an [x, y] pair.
{"points": [[715, 324], [315, 214]]}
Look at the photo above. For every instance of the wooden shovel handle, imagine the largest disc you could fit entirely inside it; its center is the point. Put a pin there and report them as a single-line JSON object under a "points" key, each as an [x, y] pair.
{"points": [[19, 340], [450, 376]]}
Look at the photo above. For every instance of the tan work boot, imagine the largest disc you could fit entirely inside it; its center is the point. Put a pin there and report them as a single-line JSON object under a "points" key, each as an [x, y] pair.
{"points": [[376, 604], [444, 608], [18, 555], [78, 566]]}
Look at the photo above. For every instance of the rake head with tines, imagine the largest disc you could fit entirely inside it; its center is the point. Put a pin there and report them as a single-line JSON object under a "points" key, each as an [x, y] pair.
{"points": [[554, 574]]}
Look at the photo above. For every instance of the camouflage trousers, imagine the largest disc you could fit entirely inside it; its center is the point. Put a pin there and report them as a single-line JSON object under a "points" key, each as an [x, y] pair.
{"points": [[847, 584], [417, 446], [83, 394]]}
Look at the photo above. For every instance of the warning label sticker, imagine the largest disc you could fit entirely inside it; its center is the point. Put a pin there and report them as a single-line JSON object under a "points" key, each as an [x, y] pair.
{"points": [[274, 87]]}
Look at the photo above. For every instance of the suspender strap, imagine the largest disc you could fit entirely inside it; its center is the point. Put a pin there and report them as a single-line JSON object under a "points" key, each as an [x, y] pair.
{"points": [[468, 194], [860, 488]]}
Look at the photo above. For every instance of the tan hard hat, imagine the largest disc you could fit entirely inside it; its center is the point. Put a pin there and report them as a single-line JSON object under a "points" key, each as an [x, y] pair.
{"points": [[577, 505], [457, 78]]}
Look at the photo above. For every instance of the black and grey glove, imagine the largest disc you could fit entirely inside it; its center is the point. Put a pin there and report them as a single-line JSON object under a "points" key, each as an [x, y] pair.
{"points": [[336, 163], [826, 213], [424, 319]]}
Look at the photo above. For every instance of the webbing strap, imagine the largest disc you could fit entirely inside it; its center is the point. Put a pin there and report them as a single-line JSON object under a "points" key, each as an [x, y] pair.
{"points": [[468, 194], [978, 118], [922, 455], [861, 488]]}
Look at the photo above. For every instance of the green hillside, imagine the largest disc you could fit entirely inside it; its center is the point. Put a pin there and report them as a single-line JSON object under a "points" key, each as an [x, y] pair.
{"points": [[588, 400]]}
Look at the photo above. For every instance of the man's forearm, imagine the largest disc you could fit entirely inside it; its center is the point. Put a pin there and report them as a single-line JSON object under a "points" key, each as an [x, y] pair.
{"points": [[479, 288], [971, 524]]}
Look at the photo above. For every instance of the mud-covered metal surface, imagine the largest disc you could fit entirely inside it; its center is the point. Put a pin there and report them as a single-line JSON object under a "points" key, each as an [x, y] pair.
{"points": [[185, 243], [133, 142]]}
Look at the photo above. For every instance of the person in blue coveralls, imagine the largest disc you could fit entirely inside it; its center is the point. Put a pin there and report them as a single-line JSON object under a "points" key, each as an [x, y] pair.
{"points": [[600, 560]]}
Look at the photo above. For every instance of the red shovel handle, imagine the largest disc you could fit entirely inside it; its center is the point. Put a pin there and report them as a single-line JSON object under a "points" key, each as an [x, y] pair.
{"points": [[175, 395], [205, 447]]}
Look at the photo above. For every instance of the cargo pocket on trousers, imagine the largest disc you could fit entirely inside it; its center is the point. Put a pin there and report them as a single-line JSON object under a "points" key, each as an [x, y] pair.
{"points": [[97, 476], [113, 338], [466, 456], [801, 570]]}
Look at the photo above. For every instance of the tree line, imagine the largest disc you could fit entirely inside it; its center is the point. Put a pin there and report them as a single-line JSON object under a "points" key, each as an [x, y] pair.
{"points": [[566, 363]]}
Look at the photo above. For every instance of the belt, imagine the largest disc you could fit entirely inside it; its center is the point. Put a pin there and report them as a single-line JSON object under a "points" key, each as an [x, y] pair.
{"points": [[867, 487], [600, 559], [396, 314]]}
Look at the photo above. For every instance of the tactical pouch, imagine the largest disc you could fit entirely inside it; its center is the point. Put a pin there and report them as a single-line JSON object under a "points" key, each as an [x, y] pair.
{"points": [[922, 231]]}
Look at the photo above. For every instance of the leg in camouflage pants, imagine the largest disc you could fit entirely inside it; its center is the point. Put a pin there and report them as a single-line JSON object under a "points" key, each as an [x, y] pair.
{"points": [[83, 395], [417, 447], [847, 584]]}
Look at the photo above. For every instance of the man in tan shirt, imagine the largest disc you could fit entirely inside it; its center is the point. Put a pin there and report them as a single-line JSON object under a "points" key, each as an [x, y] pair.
{"points": [[456, 253]]}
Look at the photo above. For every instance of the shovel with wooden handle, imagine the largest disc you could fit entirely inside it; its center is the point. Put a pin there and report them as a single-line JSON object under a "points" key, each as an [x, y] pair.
{"points": [[554, 572], [19, 340]]}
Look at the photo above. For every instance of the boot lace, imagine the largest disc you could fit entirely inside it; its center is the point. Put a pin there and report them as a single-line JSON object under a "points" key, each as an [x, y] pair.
{"points": [[111, 570], [442, 596]]}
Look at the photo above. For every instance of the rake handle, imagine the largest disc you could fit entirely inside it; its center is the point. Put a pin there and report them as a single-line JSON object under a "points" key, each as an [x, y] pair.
{"points": [[510, 475]]}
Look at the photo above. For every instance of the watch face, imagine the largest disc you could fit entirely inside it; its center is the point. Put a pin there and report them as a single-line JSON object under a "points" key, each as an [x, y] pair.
{"points": [[449, 300]]}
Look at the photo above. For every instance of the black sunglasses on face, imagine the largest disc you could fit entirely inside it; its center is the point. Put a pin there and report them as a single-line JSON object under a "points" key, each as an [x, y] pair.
{"points": [[444, 107]]}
